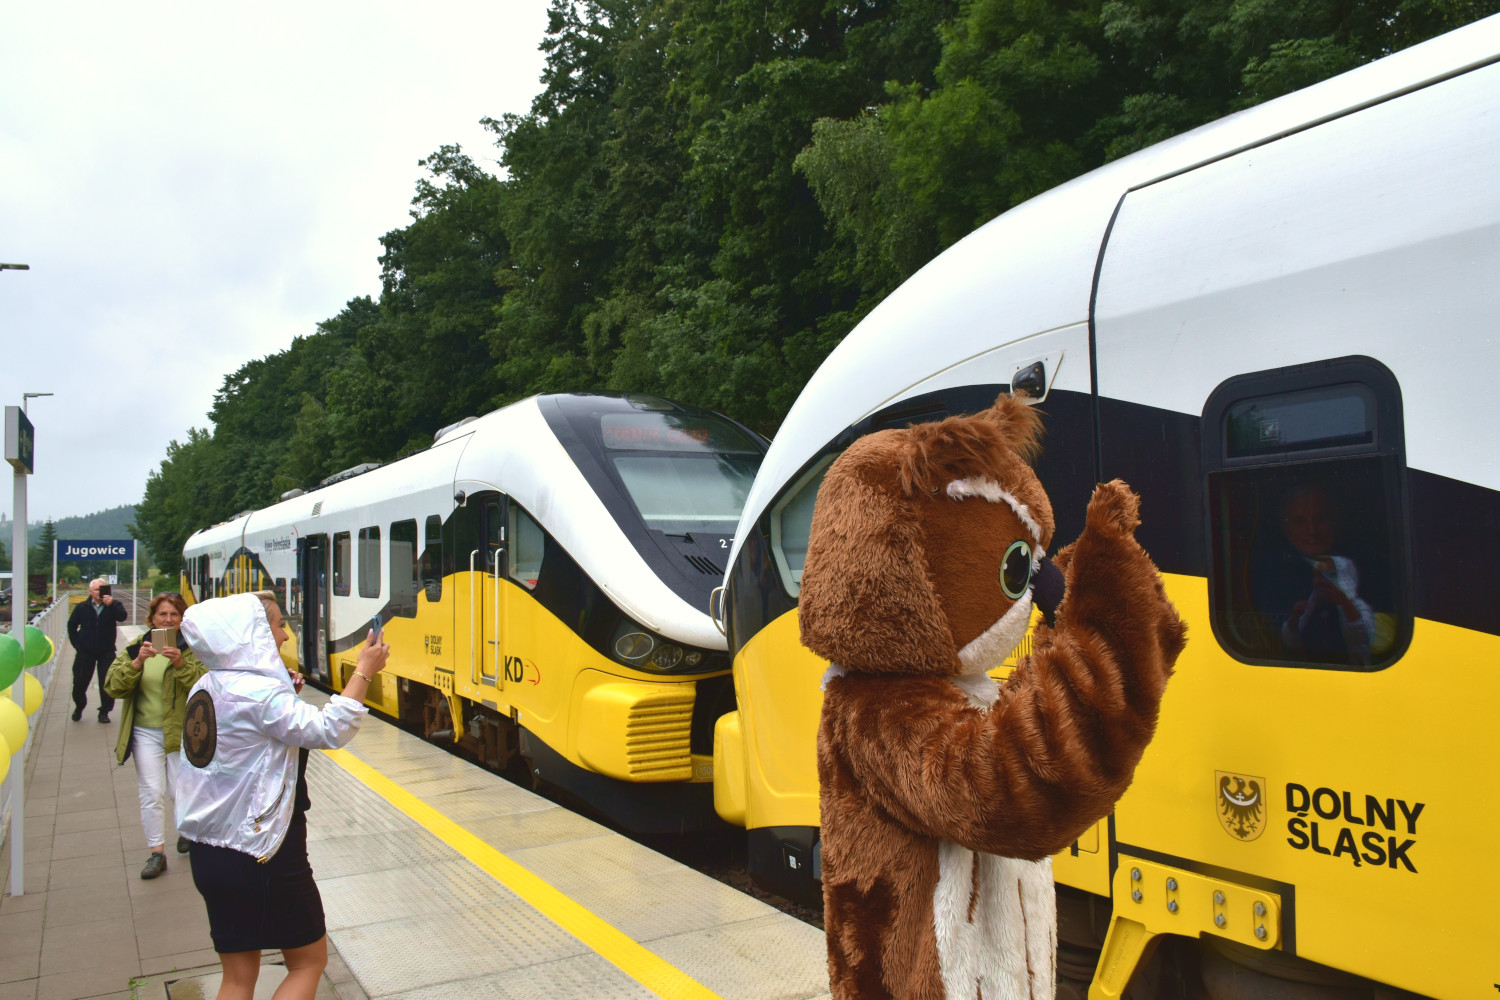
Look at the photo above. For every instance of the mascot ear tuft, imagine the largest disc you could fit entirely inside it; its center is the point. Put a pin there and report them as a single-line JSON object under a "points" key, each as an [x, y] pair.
{"points": [[982, 444]]}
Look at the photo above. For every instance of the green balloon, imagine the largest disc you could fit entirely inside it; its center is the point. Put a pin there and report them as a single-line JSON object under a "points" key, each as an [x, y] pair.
{"points": [[38, 646], [10, 660]]}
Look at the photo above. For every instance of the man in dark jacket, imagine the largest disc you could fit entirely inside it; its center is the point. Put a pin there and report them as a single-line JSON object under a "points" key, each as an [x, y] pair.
{"points": [[91, 630]]}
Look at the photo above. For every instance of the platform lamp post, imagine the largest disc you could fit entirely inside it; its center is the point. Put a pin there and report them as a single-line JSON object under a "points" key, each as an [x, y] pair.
{"points": [[27, 397], [20, 451]]}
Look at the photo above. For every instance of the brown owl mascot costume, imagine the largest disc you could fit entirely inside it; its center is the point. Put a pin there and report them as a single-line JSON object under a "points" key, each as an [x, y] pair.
{"points": [[943, 792]]}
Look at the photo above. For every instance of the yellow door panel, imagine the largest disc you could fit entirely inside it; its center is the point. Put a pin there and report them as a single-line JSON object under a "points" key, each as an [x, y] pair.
{"points": [[1367, 792]]}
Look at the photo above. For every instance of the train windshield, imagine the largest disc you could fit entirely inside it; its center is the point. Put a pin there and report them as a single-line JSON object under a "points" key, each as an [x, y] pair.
{"points": [[684, 473]]}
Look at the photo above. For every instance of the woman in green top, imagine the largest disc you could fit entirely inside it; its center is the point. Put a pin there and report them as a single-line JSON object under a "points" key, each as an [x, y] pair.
{"points": [[152, 686]]}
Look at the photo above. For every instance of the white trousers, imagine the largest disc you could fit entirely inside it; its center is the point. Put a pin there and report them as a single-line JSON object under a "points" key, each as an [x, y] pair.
{"points": [[156, 775]]}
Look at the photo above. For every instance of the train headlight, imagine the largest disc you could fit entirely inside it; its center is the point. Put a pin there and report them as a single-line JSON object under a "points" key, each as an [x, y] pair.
{"points": [[635, 647], [641, 649]]}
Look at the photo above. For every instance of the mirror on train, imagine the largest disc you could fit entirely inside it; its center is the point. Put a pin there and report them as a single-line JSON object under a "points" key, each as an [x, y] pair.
{"points": [[1032, 380]]}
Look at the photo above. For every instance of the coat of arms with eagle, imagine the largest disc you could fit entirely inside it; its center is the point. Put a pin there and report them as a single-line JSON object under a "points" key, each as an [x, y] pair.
{"points": [[1241, 804]]}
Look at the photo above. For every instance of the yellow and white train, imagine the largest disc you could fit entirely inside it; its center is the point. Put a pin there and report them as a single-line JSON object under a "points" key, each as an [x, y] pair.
{"points": [[1281, 330], [542, 574]]}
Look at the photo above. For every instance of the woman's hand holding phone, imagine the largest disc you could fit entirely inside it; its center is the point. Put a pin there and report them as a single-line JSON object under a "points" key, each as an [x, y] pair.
{"points": [[372, 655], [143, 654]]}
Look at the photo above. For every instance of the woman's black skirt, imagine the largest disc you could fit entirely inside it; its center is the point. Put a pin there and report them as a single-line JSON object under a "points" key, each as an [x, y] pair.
{"points": [[258, 907]]}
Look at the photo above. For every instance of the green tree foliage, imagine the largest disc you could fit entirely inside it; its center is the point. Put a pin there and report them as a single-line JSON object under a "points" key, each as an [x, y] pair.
{"points": [[39, 560], [707, 195]]}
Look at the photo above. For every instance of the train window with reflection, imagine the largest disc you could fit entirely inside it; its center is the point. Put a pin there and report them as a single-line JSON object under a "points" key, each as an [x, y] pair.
{"points": [[526, 545], [404, 568], [278, 587], [369, 562], [432, 560], [684, 473], [343, 563], [791, 523], [1308, 553]]}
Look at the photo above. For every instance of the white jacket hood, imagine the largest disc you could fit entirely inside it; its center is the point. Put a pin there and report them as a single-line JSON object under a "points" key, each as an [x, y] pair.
{"points": [[237, 774], [232, 633]]}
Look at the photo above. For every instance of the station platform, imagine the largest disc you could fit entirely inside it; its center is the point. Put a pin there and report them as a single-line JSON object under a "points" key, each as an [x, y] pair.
{"points": [[439, 880]]}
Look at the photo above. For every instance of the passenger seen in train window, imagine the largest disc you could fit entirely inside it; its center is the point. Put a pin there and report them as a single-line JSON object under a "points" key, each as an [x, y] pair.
{"points": [[1310, 593], [242, 793]]}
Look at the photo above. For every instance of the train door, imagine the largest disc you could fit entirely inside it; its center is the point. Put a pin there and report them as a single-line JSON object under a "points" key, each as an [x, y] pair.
{"points": [[312, 574], [489, 555], [1270, 327]]}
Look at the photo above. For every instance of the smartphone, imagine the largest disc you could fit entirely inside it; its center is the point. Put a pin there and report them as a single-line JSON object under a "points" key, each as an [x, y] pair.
{"points": [[162, 638], [375, 625], [105, 589]]}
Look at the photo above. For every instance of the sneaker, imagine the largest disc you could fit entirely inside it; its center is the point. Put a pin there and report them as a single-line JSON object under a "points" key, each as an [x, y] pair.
{"points": [[103, 716], [77, 714], [155, 865], [183, 844]]}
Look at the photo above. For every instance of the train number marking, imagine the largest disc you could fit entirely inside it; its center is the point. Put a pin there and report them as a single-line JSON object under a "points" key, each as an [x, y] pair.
{"points": [[724, 543]]}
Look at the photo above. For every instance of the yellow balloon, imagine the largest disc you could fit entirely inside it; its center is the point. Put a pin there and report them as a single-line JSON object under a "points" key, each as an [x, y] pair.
{"points": [[12, 725], [4, 765], [33, 688]]}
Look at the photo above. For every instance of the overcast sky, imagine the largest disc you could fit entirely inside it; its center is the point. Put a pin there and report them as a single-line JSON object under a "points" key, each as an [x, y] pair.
{"points": [[194, 185]]}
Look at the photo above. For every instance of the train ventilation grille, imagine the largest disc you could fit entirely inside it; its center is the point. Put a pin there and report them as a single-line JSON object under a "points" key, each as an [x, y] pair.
{"points": [[704, 565], [1016, 655], [657, 736], [317, 508]]}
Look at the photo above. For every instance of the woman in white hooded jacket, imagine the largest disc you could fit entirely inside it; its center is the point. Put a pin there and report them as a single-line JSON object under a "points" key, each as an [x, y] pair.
{"points": [[242, 790]]}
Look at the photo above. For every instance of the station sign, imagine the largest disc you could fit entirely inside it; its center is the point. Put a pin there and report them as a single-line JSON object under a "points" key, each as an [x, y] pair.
{"points": [[75, 549], [20, 441]]}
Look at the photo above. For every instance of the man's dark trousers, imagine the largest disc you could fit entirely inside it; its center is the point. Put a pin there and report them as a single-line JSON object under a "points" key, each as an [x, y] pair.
{"points": [[85, 667]]}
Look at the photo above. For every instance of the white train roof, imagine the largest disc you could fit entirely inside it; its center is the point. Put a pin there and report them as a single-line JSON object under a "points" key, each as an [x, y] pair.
{"points": [[514, 451], [948, 313]]}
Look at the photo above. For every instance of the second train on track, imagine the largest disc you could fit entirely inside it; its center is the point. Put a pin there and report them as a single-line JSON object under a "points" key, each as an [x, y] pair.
{"points": [[542, 574]]}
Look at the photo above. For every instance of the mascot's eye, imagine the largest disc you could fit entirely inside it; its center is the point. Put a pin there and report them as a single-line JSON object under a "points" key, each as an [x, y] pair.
{"points": [[1015, 570]]}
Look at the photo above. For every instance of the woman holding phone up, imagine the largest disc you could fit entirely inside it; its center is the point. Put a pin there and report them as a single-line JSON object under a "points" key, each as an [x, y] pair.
{"points": [[242, 793], [151, 680]]}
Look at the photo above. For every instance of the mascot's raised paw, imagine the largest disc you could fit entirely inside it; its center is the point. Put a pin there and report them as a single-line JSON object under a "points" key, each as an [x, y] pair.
{"points": [[1115, 503], [943, 793]]}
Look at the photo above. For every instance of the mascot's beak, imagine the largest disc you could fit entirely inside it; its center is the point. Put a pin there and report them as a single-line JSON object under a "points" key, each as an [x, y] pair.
{"points": [[1047, 590]]}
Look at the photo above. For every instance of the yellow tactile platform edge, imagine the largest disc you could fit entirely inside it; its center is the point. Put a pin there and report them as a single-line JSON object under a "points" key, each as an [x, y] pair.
{"points": [[636, 961]]}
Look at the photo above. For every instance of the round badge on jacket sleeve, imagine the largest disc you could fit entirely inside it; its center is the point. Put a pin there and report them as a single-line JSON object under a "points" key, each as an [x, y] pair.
{"points": [[200, 730]]}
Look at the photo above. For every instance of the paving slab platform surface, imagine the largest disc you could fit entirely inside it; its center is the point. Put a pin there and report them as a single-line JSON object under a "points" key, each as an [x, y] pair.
{"points": [[439, 880]]}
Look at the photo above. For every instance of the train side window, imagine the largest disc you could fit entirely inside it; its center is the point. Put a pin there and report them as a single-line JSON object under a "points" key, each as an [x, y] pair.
{"points": [[343, 563], [432, 560], [202, 581], [527, 541], [404, 568], [1307, 523], [791, 523], [369, 562], [278, 587]]}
